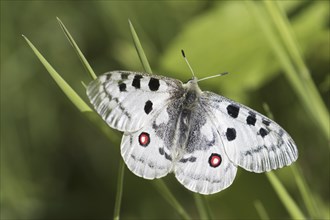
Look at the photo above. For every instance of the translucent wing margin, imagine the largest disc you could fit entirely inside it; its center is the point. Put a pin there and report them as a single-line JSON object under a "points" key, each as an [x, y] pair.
{"points": [[126, 100], [251, 140]]}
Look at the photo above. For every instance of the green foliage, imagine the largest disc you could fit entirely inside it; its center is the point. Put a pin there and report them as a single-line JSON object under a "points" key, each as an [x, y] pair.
{"points": [[69, 92], [55, 164]]}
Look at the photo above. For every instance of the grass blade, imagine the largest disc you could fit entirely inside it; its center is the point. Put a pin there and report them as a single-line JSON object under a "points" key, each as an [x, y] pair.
{"points": [[92, 116], [299, 75], [286, 199], [261, 210], [69, 92], [89, 69], [84, 108], [139, 49], [202, 206], [284, 196], [305, 192], [284, 30], [119, 194], [82, 58], [75, 98], [170, 198]]}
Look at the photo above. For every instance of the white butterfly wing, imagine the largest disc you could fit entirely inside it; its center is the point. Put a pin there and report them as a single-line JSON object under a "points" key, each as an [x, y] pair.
{"points": [[204, 166], [203, 143], [145, 152], [126, 100], [251, 140]]}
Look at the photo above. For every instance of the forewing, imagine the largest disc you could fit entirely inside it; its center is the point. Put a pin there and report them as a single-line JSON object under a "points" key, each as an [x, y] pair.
{"points": [[127, 100], [204, 167], [251, 140]]}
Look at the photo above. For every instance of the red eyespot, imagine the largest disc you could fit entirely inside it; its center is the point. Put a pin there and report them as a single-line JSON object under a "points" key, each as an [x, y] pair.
{"points": [[215, 160], [144, 139]]}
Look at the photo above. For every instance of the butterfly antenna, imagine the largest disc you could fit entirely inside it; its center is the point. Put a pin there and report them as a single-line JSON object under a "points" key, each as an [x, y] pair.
{"points": [[210, 77], [185, 58]]}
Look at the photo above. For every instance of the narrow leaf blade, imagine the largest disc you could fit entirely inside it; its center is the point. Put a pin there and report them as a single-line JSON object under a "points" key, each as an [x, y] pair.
{"points": [[139, 49], [120, 183], [284, 196], [69, 92], [202, 206], [170, 198], [77, 50]]}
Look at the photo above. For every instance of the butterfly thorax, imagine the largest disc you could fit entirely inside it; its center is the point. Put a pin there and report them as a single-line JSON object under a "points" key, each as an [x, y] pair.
{"points": [[192, 92]]}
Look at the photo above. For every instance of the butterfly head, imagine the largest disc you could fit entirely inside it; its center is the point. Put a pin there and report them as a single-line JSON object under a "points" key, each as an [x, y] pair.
{"points": [[192, 83], [193, 80]]}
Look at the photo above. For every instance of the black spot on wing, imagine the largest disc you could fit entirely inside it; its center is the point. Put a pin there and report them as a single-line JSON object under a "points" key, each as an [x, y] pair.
{"points": [[183, 160], [124, 75], [161, 151], [119, 105], [231, 134], [122, 87], [153, 84], [263, 132], [265, 122], [190, 159], [251, 120], [233, 110], [148, 107], [168, 157], [281, 132], [136, 81], [108, 76]]}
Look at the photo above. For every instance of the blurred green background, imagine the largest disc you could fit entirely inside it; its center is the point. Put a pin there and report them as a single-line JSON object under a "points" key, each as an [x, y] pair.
{"points": [[55, 164]]}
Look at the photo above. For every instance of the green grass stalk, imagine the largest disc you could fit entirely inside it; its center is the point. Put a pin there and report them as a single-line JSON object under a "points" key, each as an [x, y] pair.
{"points": [[65, 87], [287, 50], [75, 98], [89, 70], [120, 182], [305, 192], [83, 107], [139, 49], [284, 30], [284, 196], [261, 210], [202, 206], [82, 58], [170, 198]]}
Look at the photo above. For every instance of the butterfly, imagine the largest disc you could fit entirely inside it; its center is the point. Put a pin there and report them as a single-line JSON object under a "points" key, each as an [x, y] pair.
{"points": [[201, 137]]}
